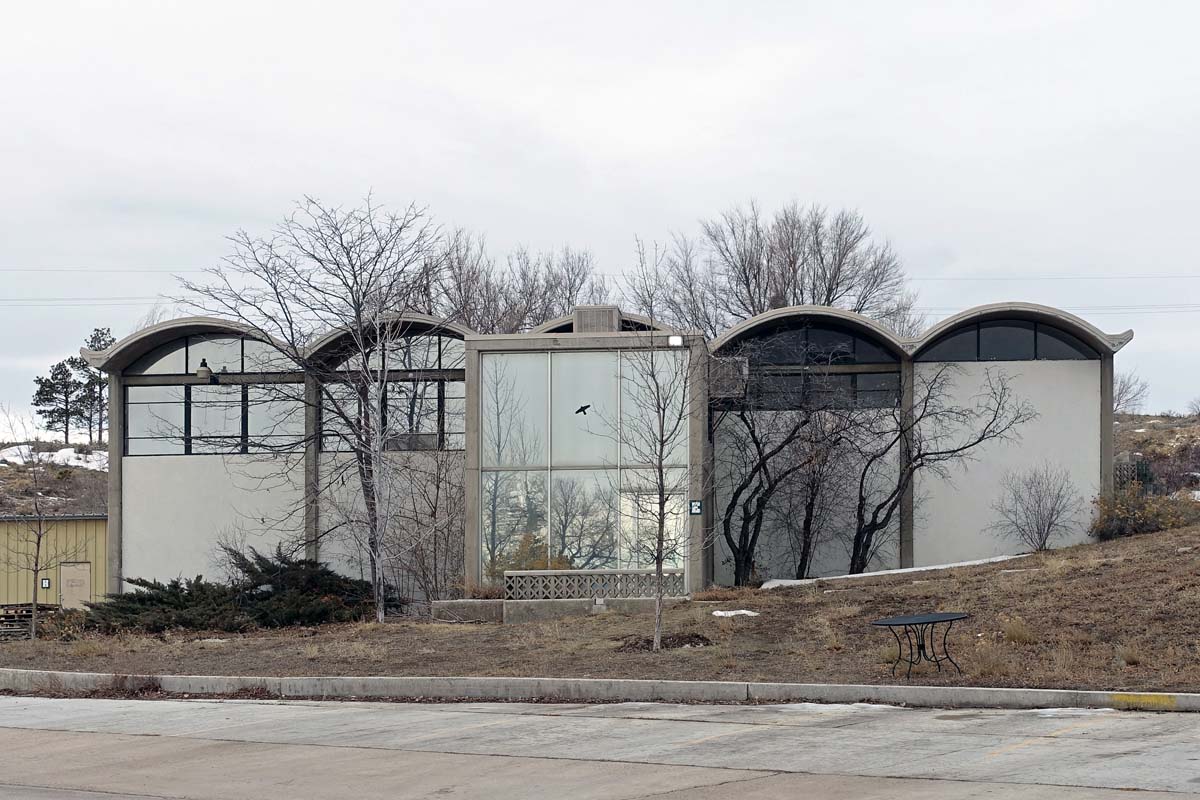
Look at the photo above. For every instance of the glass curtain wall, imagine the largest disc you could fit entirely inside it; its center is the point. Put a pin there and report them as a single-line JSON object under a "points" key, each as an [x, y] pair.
{"points": [[231, 415], [566, 482]]}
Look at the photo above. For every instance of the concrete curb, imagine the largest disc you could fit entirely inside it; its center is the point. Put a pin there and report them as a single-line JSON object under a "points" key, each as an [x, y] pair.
{"points": [[594, 690]]}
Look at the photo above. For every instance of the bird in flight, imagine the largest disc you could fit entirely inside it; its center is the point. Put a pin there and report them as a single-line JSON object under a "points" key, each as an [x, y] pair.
{"points": [[583, 409]]}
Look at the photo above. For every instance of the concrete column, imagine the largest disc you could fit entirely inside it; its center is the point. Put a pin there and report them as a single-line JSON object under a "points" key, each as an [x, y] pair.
{"points": [[472, 542], [1106, 424], [116, 451], [699, 542], [907, 375], [312, 468]]}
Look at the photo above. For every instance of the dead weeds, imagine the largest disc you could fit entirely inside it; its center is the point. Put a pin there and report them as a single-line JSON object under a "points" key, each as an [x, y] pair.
{"points": [[1122, 615]]}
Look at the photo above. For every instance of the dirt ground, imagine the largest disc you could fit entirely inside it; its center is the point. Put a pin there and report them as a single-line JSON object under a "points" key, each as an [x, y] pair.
{"points": [[1122, 615]]}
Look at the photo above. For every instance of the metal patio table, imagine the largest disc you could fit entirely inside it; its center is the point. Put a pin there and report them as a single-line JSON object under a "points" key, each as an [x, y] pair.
{"points": [[920, 634]]}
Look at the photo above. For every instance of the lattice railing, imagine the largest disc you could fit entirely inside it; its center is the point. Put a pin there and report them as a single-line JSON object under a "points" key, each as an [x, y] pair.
{"points": [[576, 584]]}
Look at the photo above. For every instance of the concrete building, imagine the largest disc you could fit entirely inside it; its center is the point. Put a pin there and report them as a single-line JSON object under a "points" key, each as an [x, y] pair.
{"points": [[543, 438]]}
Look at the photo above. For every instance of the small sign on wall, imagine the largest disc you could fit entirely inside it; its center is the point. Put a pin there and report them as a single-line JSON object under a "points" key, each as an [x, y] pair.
{"points": [[45, 583], [695, 507]]}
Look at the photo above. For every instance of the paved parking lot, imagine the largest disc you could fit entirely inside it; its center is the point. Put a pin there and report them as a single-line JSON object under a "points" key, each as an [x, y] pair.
{"points": [[113, 749]]}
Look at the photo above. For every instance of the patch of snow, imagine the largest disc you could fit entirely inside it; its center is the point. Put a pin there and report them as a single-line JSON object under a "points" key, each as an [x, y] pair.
{"points": [[779, 583], [1196, 494], [1139, 430], [741, 612], [66, 457]]}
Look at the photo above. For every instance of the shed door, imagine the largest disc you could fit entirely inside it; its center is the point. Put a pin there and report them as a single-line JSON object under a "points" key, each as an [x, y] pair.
{"points": [[74, 584]]}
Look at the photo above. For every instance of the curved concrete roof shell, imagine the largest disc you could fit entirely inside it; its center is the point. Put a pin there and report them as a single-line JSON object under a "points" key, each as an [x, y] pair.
{"points": [[1103, 342], [124, 352], [1108, 343], [857, 322]]}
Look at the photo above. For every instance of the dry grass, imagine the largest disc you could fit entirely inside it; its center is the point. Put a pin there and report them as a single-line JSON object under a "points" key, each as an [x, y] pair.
{"points": [[1017, 631], [1122, 615]]}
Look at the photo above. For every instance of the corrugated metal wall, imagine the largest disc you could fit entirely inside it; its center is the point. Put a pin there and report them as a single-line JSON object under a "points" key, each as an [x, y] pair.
{"points": [[69, 539]]}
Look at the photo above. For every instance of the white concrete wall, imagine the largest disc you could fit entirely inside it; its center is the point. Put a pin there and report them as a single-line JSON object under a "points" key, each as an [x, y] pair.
{"points": [[952, 518], [177, 508]]}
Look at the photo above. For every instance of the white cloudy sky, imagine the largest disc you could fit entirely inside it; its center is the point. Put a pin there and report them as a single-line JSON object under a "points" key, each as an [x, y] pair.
{"points": [[1009, 142]]}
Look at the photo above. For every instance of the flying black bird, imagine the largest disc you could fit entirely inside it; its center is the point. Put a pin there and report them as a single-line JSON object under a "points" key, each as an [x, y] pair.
{"points": [[583, 409]]}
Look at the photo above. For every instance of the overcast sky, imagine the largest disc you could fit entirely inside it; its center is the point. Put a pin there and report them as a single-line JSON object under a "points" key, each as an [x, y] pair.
{"points": [[1042, 152]]}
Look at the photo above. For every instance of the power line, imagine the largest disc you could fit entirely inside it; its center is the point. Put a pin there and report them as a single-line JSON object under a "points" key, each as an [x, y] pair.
{"points": [[38, 270], [1052, 277]]}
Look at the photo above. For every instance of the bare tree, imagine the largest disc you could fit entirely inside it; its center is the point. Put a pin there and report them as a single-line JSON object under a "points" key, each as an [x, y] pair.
{"points": [[1037, 506], [1193, 407], [746, 262], [893, 445], [1129, 392], [529, 289], [353, 271], [34, 548], [655, 413]]}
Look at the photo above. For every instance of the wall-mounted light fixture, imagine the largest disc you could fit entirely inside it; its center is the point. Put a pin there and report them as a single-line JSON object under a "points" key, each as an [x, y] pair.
{"points": [[204, 372]]}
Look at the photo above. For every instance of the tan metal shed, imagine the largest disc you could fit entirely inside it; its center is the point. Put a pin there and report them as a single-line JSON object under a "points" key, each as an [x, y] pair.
{"points": [[74, 548]]}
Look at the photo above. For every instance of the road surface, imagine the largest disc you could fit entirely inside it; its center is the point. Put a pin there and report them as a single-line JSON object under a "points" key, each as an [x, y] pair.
{"points": [[125, 749]]}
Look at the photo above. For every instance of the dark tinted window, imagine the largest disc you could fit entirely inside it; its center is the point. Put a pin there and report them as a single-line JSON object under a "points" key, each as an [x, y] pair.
{"points": [[962, 345], [1056, 344], [781, 347], [1006, 340], [867, 352], [779, 391], [827, 346], [877, 390], [814, 345], [831, 391]]}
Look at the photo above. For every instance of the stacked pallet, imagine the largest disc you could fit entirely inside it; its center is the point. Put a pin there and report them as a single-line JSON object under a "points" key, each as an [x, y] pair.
{"points": [[15, 619]]}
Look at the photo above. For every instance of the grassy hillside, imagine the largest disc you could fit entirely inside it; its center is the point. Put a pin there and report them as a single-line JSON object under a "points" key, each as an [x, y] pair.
{"points": [[72, 480], [1118, 615]]}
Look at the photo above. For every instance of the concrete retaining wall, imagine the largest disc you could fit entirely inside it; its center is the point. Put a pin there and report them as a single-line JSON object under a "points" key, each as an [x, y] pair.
{"points": [[596, 690], [468, 610]]}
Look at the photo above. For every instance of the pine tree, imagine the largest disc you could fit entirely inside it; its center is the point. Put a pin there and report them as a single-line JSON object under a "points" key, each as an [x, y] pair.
{"points": [[91, 409], [55, 398]]}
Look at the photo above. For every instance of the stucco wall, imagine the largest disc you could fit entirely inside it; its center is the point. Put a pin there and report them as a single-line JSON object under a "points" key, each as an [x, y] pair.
{"points": [[177, 508], [952, 517]]}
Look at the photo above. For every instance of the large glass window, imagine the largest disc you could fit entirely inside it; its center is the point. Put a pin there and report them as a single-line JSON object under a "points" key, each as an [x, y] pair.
{"points": [[583, 518], [221, 352], [583, 419], [581, 501], [654, 413], [1056, 344], [206, 418], [274, 416], [961, 345], [1008, 340], [513, 529], [814, 344], [640, 518], [216, 419], [155, 420], [514, 409], [167, 359]]}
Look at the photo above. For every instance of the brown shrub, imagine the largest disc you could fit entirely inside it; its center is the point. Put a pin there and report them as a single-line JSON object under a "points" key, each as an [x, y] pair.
{"points": [[1130, 511]]}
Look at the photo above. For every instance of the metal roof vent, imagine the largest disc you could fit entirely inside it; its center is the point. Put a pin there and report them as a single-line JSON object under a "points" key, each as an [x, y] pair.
{"points": [[597, 319]]}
